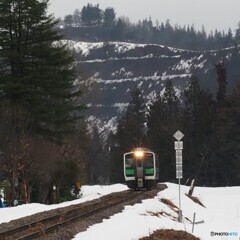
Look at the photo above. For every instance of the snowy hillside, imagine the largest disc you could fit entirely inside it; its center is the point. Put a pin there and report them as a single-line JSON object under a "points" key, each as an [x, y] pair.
{"points": [[220, 216], [108, 71]]}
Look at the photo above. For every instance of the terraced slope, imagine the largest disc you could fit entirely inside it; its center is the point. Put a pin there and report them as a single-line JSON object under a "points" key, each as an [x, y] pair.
{"points": [[108, 71]]}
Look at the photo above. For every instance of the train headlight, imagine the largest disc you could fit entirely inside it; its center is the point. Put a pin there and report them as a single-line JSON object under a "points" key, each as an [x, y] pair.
{"points": [[138, 154]]}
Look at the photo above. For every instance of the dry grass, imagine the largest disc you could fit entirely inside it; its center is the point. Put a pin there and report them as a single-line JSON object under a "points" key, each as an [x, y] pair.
{"points": [[162, 213], [195, 199], [169, 203], [169, 234]]}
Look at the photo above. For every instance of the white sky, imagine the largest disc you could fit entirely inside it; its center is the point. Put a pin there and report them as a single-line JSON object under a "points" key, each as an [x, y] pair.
{"points": [[213, 14]]}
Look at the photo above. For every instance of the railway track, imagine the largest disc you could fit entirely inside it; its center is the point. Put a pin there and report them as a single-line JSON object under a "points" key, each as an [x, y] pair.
{"points": [[65, 216]]}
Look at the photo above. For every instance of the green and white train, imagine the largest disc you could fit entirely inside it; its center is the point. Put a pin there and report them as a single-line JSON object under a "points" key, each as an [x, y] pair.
{"points": [[141, 169]]}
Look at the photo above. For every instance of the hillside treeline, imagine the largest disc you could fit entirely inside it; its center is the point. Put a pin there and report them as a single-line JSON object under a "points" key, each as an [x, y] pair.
{"points": [[94, 24], [211, 153]]}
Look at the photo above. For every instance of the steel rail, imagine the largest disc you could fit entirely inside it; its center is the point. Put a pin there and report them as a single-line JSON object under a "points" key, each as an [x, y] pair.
{"points": [[41, 227]]}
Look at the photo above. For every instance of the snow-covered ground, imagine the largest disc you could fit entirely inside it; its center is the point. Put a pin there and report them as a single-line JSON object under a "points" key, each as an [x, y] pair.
{"points": [[220, 216]]}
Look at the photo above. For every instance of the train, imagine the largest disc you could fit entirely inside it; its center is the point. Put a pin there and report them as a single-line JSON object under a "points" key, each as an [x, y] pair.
{"points": [[141, 169]]}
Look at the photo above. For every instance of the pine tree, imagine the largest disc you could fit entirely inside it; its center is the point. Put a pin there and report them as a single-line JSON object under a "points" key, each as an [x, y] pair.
{"points": [[68, 20], [135, 119], [36, 92], [131, 127], [164, 119], [222, 82], [233, 136], [237, 35], [35, 67], [91, 15], [77, 19], [198, 126], [109, 18], [97, 165], [172, 102], [225, 139], [130, 134]]}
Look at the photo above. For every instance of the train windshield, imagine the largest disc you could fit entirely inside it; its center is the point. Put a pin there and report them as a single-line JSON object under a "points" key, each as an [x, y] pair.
{"points": [[148, 160], [149, 164], [129, 165], [129, 161]]}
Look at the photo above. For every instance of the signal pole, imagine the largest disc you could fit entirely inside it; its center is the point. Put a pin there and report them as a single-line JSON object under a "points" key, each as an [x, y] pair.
{"points": [[178, 145]]}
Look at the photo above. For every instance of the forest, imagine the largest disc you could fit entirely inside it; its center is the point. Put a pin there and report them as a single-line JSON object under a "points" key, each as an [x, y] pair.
{"points": [[210, 127], [46, 146], [94, 24]]}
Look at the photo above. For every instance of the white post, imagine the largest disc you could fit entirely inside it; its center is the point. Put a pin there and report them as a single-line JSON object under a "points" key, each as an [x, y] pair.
{"points": [[194, 215], [179, 147], [180, 210]]}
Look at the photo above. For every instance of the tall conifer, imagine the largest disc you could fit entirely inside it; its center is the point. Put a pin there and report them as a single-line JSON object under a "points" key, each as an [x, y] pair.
{"points": [[130, 134], [164, 119], [198, 125], [222, 82], [35, 67]]}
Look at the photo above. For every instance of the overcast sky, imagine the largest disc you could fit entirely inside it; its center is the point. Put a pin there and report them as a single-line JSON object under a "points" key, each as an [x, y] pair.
{"points": [[213, 14]]}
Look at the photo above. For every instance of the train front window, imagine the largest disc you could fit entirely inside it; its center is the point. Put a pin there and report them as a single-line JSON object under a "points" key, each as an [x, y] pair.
{"points": [[149, 164], [148, 161], [129, 162], [130, 165]]}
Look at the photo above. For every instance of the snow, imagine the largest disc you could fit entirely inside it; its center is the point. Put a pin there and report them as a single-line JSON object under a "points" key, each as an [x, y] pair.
{"points": [[82, 47], [121, 107], [86, 52], [124, 47], [188, 64], [153, 77], [122, 72], [220, 215], [104, 126], [88, 193]]}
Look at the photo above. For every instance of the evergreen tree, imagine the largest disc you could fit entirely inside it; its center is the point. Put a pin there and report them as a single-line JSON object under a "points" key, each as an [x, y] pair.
{"points": [[226, 134], [130, 134], [97, 164], [37, 95], [237, 35], [198, 124], [144, 31], [233, 67], [164, 119], [77, 19], [91, 15], [36, 68], [222, 82], [68, 20], [109, 18], [233, 136], [119, 31], [135, 119], [229, 38], [172, 103]]}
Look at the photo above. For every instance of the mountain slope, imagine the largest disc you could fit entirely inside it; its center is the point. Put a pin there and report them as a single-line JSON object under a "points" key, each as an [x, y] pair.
{"points": [[108, 71]]}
